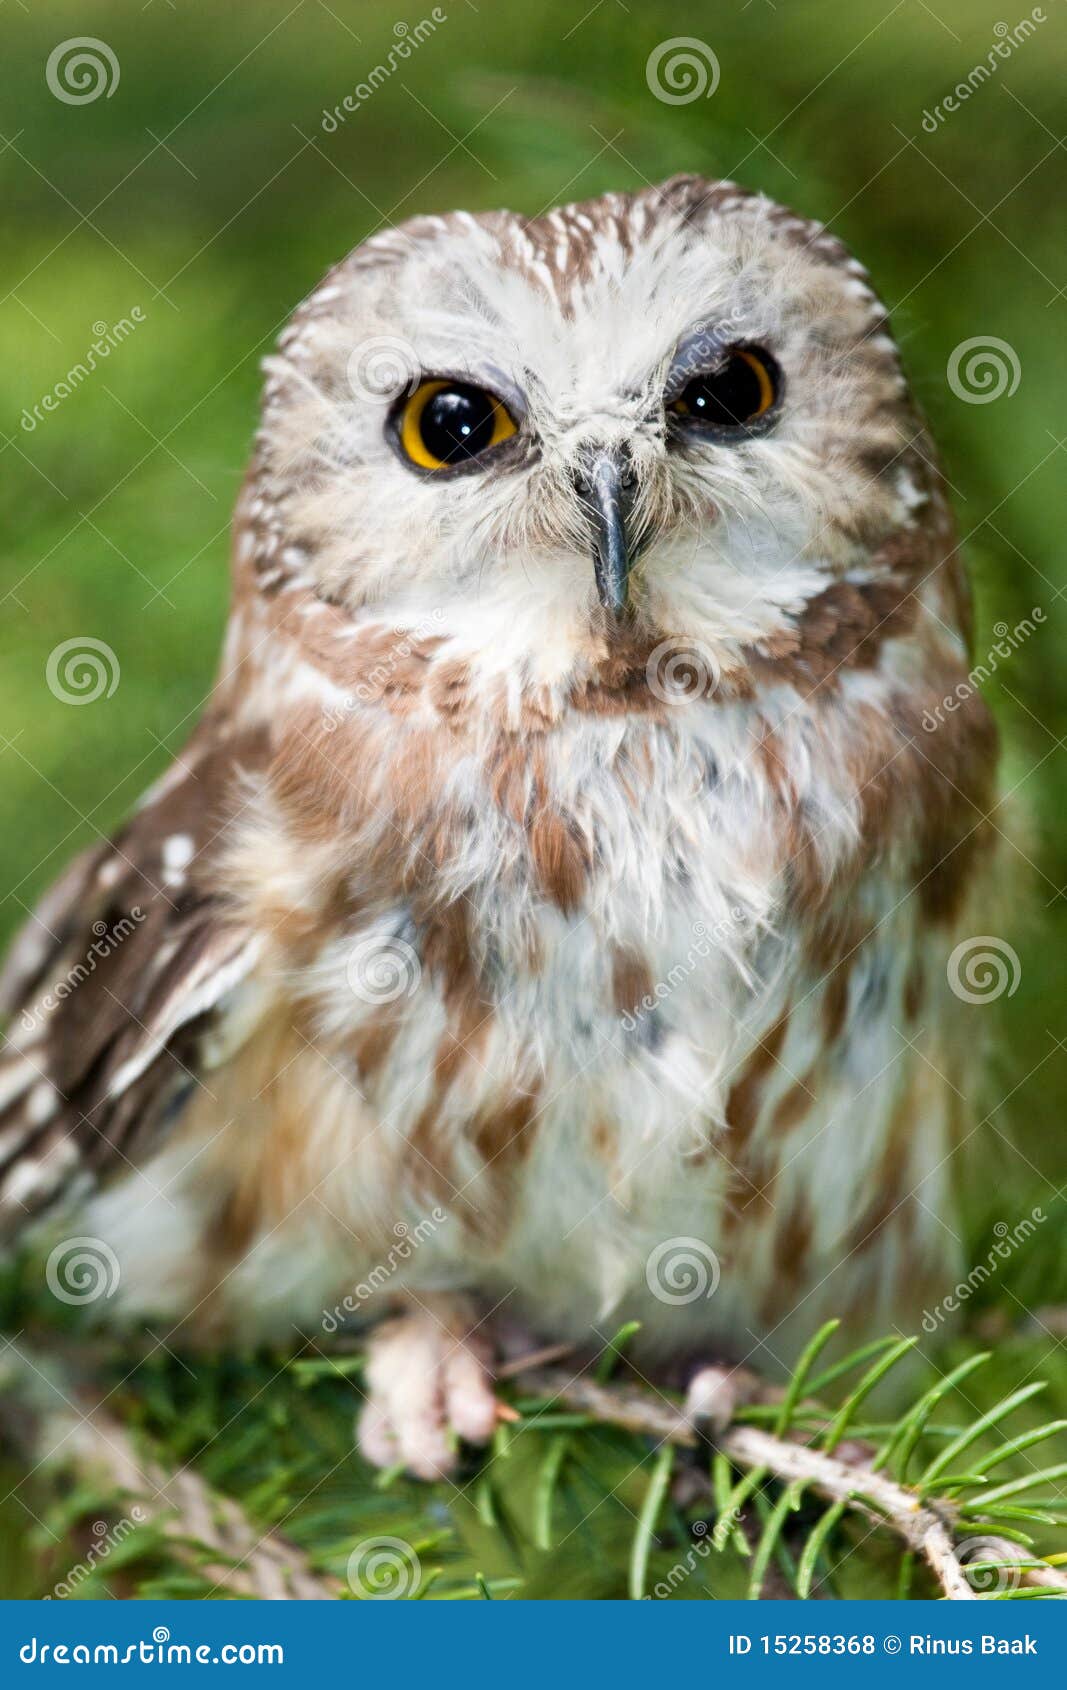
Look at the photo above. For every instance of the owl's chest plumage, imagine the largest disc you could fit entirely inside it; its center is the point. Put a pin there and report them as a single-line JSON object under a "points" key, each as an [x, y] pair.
{"points": [[579, 1010]]}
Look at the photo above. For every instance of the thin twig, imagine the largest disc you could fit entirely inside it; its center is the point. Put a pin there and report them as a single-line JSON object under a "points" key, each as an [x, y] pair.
{"points": [[534, 1359], [928, 1529]]}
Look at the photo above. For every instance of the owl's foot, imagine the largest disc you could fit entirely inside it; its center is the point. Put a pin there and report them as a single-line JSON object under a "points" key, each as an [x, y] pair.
{"points": [[428, 1384], [716, 1393]]}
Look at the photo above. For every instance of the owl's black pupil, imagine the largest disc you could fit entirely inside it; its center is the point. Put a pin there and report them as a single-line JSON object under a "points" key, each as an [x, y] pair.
{"points": [[457, 423], [728, 396]]}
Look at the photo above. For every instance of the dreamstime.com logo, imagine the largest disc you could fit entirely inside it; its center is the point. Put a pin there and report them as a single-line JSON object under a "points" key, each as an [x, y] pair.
{"points": [[106, 940], [682, 70], [682, 1270], [1008, 1240], [81, 69], [678, 671], [1007, 39], [155, 1651], [82, 1270], [81, 670], [408, 39], [381, 969], [383, 1569], [105, 1539], [982, 1560], [107, 338], [376, 680], [1008, 640], [705, 942], [383, 367], [981, 969], [700, 1550], [408, 1238], [703, 350], [982, 369]]}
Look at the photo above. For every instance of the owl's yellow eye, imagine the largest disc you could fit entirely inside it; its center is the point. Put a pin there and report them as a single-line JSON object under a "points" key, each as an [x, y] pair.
{"points": [[447, 423], [743, 388]]}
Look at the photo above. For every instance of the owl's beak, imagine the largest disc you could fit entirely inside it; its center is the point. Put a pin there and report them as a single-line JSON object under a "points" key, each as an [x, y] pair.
{"points": [[606, 487]]}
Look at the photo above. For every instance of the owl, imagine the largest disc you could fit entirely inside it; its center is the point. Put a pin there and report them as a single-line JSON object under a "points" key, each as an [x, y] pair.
{"points": [[547, 923]]}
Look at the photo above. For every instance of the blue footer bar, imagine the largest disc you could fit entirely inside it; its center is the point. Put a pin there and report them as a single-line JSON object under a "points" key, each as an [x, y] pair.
{"points": [[536, 1645]]}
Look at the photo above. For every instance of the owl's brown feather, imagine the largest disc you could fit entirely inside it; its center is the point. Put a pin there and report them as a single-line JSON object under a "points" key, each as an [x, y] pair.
{"points": [[114, 982]]}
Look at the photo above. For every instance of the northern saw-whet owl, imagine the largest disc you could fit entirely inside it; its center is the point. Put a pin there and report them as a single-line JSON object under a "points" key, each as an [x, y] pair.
{"points": [[561, 875]]}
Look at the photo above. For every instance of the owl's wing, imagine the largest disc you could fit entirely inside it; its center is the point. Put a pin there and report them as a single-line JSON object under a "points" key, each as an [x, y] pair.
{"points": [[110, 987]]}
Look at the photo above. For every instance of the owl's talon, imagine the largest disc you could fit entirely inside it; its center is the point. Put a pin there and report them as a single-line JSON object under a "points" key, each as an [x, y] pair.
{"points": [[428, 1387]]}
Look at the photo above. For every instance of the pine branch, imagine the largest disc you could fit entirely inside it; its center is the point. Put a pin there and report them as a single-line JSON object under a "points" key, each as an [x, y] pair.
{"points": [[206, 1530], [771, 1450], [927, 1527]]}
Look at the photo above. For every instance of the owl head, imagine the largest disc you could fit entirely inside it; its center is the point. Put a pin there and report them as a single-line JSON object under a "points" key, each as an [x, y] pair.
{"points": [[678, 410]]}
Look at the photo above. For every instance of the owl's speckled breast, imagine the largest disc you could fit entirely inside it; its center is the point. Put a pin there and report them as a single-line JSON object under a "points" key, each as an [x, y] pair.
{"points": [[594, 1019]]}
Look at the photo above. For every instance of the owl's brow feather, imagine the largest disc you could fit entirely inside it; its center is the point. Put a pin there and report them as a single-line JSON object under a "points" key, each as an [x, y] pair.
{"points": [[282, 366]]}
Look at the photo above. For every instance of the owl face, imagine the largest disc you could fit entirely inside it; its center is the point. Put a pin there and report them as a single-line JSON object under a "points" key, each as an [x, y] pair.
{"points": [[679, 409]]}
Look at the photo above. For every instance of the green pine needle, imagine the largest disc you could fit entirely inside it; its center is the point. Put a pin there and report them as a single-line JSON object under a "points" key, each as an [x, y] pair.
{"points": [[658, 1482]]}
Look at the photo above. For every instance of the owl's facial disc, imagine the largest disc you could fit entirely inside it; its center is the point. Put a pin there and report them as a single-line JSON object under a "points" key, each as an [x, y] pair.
{"points": [[677, 410]]}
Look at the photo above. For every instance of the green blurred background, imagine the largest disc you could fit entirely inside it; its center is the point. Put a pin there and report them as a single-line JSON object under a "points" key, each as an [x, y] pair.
{"points": [[205, 192]]}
